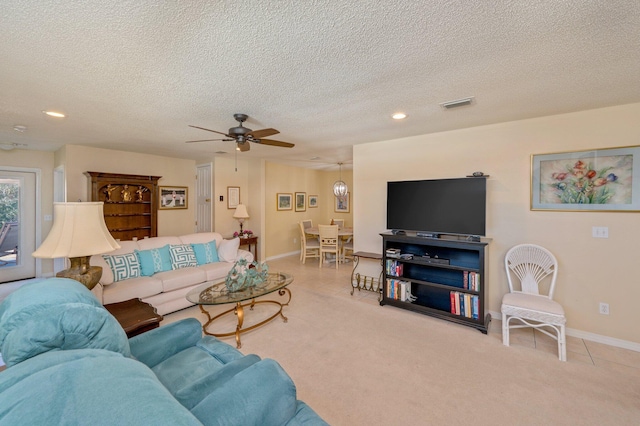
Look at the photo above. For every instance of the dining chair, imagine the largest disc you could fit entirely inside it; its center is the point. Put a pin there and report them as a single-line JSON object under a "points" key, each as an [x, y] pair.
{"points": [[339, 222], [329, 242], [309, 246], [346, 246], [531, 269]]}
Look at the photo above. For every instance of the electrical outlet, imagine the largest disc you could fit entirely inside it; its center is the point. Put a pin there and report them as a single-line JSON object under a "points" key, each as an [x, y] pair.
{"points": [[600, 232], [604, 308]]}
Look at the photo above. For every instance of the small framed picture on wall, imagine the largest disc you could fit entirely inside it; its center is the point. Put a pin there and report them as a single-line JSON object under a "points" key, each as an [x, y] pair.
{"points": [[301, 201], [233, 196], [284, 201], [173, 197], [313, 201], [342, 204]]}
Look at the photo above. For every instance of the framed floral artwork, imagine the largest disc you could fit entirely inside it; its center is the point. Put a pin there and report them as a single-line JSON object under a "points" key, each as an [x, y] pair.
{"points": [[342, 204], [313, 201], [284, 201], [596, 180], [301, 201]]}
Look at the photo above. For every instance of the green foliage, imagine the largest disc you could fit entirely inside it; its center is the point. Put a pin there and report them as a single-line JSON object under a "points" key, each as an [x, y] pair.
{"points": [[9, 197]]}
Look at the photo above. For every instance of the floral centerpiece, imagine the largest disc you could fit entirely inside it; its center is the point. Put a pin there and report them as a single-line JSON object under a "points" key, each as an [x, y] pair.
{"points": [[245, 275], [245, 234]]}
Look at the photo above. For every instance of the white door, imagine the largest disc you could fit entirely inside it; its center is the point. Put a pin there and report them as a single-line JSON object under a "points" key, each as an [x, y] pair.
{"points": [[203, 198], [17, 224]]}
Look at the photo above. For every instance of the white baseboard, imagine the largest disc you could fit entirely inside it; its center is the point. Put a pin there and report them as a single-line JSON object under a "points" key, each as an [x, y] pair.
{"points": [[291, 253], [598, 338]]}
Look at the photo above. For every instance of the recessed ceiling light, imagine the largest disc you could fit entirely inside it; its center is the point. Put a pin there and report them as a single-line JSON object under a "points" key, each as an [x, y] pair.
{"points": [[399, 116], [314, 158], [20, 128], [54, 114]]}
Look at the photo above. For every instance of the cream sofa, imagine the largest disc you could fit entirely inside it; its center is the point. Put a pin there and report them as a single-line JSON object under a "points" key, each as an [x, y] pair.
{"points": [[165, 287]]}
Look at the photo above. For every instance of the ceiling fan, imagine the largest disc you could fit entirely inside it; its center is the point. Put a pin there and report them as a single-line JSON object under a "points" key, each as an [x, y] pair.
{"points": [[242, 135]]}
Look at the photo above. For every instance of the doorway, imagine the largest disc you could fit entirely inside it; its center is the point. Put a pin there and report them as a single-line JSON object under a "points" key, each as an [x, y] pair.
{"points": [[18, 227], [203, 198]]}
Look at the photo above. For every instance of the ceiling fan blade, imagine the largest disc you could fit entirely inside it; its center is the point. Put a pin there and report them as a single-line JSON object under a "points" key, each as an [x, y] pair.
{"points": [[209, 130], [274, 143], [208, 140], [244, 146], [257, 134]]}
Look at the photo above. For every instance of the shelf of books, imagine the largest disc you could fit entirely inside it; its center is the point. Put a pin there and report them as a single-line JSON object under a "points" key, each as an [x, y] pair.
{"points": [[444, 278]]}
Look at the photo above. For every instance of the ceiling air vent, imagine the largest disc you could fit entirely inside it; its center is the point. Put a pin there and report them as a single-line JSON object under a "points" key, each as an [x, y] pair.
{"points": [[457, 103]]}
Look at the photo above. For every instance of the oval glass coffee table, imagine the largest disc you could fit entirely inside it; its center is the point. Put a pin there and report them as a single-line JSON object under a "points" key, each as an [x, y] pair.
{"points": [[211, 293]]}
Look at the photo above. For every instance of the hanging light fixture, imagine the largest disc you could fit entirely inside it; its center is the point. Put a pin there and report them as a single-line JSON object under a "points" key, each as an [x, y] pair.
{"points": [[340, 188]]}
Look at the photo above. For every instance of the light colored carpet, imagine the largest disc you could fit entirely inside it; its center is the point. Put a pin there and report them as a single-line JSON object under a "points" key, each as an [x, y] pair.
{"points": [[357, 363]]}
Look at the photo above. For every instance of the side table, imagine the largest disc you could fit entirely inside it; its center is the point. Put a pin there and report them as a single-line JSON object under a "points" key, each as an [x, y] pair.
{"points": [[135, 316], [251, 241], [366, 282]]}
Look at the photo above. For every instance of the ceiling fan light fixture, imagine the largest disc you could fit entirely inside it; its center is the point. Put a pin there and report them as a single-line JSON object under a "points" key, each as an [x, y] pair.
{"points": [[340, 188]]}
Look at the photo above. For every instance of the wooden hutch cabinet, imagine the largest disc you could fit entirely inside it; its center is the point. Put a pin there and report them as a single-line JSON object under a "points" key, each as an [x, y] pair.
{"points": [[130, 203]]}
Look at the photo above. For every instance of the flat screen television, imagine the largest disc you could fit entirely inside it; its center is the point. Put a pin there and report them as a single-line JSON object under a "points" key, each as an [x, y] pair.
{"points": [[438, 206]]}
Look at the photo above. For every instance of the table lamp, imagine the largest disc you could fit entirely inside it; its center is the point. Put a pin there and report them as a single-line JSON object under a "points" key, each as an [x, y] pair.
{"points": [[241, 214], [78, 232]]}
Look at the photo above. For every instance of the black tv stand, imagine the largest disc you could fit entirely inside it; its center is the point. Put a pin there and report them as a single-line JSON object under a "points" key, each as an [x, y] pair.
{"points": [[450, 284]]}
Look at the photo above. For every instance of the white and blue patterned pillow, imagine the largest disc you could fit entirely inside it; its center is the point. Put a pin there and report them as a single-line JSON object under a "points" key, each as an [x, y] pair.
{"points": [[154, 260], [206, 253], [182, 256], [123, 266]]}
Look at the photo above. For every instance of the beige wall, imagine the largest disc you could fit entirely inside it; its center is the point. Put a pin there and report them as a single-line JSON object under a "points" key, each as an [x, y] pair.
{"points": [[42, 161], [174, 171], [281, 227], [225, 176], [590, 270]]}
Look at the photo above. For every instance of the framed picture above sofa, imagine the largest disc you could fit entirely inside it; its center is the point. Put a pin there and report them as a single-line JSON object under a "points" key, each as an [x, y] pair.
{"points": [[173, 197]]}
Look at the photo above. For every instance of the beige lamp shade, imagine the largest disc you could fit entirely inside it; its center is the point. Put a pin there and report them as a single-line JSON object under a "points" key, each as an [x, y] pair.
{"points": [[241, 212], [78, 230]]}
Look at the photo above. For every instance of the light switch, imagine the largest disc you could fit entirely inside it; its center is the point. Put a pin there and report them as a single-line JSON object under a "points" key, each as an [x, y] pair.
{"points": [[600, 232], [48, 218]]}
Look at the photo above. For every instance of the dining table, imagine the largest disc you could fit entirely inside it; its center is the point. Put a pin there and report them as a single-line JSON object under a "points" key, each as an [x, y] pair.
{"points": [[342, 231]]}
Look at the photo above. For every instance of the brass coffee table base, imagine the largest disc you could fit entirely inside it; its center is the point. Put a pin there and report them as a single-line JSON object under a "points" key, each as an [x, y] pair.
{"points": [[238, 310]]}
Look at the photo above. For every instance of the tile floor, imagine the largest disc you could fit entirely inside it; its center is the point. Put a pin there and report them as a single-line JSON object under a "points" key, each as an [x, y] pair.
{"points": [[578, 350]]}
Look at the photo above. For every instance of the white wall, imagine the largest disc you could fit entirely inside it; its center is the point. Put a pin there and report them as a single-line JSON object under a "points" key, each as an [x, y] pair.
{"points": [[590, 270]]}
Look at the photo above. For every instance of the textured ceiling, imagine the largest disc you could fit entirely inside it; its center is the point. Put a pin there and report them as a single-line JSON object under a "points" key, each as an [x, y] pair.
{"points": [[133, 74]]}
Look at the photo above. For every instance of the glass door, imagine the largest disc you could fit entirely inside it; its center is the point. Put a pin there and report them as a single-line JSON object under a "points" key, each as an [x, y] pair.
{"points": [[17, 225]]}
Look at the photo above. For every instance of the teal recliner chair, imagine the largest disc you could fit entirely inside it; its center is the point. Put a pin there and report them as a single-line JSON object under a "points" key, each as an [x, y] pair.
{"points": [[69, 362]]}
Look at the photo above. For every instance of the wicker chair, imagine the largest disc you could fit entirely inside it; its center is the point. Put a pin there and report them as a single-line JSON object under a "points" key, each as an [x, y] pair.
{"points": [[534, 267]]}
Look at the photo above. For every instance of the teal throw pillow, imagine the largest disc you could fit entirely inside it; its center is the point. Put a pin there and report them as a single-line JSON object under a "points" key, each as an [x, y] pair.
{"points": [[154, 260], [182, 256], [123, 266], [206, 253]]}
